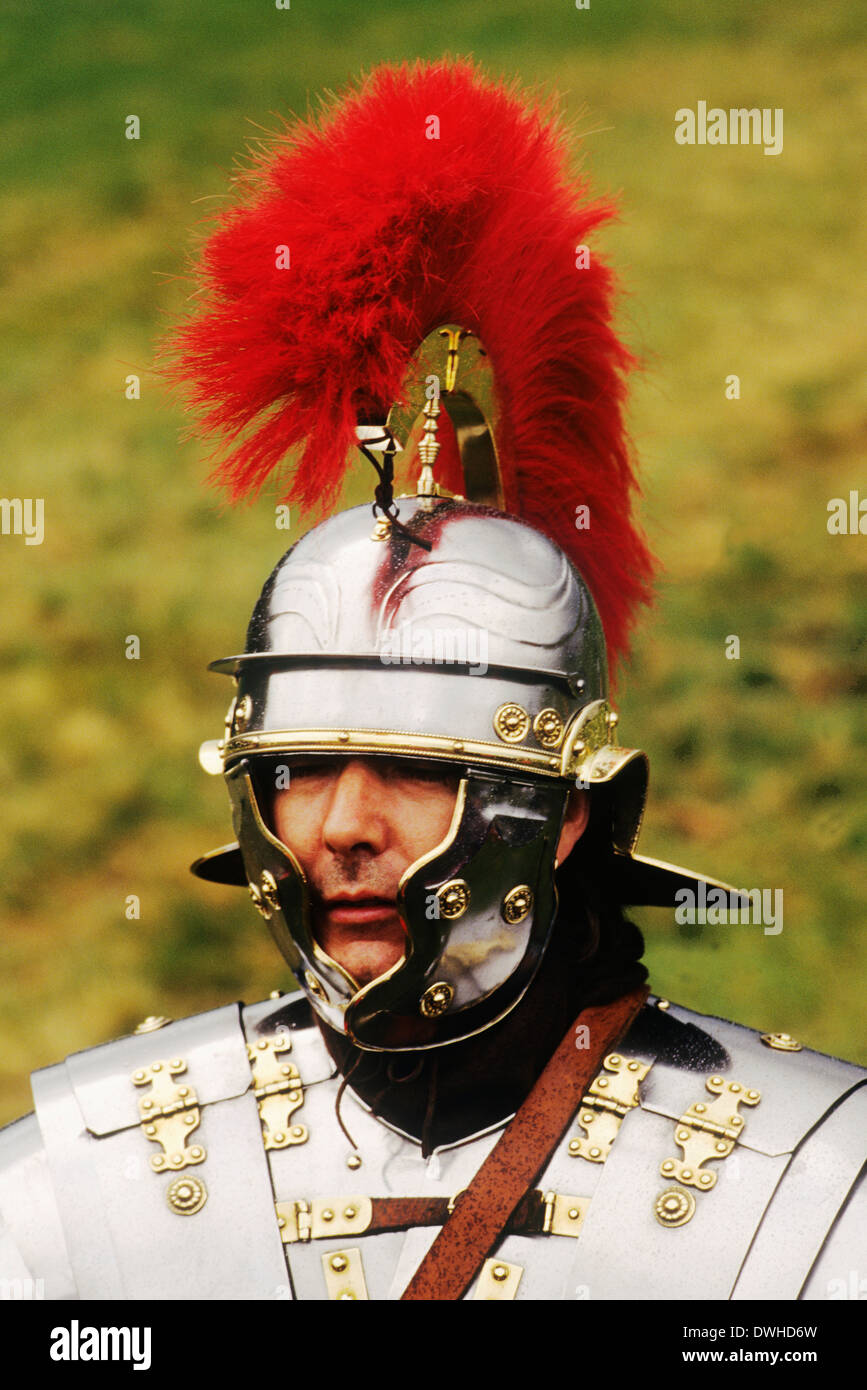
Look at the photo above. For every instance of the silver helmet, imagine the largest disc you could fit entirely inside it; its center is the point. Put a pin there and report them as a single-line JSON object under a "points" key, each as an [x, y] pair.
{"points": [[485, 653], [461, 627]]}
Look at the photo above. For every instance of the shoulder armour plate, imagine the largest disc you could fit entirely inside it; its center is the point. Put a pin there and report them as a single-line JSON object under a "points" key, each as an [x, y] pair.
{"points": [[734, 1152], [155, 1151], [33, 1259]]}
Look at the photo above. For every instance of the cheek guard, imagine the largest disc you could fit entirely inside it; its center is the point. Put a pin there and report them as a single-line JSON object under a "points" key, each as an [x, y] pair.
{"points": [[477, 911]]}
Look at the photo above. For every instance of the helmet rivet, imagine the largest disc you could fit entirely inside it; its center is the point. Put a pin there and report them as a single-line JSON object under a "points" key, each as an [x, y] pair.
{"points": [[549, 728], [511, 723], [500, 1273], [243, 710], [436, 1000], [270, 896], [253, 890], [518, 904], [314, 986], [453, 899], [338, 1263]]}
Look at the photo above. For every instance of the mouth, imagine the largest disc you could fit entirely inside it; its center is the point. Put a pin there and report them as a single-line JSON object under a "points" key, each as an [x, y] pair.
{"points": [[358, 911]]}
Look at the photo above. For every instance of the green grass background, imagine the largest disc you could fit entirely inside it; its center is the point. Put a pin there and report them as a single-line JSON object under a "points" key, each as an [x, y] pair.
{"points": [[733, 262]]}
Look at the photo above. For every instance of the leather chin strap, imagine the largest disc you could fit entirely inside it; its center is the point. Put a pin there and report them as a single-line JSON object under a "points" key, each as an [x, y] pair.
{"points": [[486, 1207]]}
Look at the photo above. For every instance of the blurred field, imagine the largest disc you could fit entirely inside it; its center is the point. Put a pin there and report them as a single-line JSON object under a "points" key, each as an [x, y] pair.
{"points": [[734, 262]]}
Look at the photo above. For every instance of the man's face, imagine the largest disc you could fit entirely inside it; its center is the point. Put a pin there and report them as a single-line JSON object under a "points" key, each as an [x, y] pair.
{"points": [[355, 825]]}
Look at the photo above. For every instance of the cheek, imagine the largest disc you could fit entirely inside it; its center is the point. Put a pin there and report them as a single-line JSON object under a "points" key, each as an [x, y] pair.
{"points": [[424, 822], [296, 822]]}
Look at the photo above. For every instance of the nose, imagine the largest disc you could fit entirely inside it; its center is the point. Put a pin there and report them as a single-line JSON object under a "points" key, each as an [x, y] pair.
{"points": [[357, 813]]}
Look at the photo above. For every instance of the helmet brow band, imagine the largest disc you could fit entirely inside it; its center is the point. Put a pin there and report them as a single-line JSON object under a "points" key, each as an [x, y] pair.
{"points": [[434, 746]]}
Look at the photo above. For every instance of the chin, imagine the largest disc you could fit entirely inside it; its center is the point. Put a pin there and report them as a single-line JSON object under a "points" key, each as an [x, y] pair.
{"points": [[366, 960], [365, 968], [363, 957]]}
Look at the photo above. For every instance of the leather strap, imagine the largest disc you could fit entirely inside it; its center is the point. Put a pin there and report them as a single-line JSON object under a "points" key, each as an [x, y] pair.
{"points": [[484, 1209], [406, 1213]]}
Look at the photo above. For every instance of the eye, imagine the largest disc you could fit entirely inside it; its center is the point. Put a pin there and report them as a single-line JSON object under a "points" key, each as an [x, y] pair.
{"points": [[314, 767], [410, 771]]}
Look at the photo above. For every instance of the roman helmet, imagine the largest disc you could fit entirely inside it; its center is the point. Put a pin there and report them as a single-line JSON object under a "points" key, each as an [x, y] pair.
{"points": [[410, 278]]}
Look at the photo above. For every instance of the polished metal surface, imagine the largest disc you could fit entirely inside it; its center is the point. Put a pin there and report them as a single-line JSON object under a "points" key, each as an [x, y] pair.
{"points": [[32, 1243], [816, 1184], [65, 1186], [336, 594], [350, 635]]}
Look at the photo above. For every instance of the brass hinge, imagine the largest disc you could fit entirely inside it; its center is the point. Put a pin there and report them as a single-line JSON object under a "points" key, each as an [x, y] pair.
{"points": [[169, 1114], [278, 1090], [293, 1218], [564, 1215], [611, 1096], [708, 1130]]}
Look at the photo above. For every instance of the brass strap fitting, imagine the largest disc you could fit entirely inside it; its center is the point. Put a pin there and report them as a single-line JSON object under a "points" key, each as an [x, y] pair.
{"points": [[327, 1218]]}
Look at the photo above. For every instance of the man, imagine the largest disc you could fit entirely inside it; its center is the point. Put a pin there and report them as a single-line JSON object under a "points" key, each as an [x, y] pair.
{"points": [[472, 1095]]}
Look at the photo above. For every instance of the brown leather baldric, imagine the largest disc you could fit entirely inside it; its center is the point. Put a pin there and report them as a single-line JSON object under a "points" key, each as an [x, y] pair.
{"points": [[484, 1210], [406, 1213]]}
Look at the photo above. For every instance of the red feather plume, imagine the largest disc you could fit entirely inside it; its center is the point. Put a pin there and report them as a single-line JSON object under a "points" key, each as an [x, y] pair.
{"points": [[389, 235]]}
